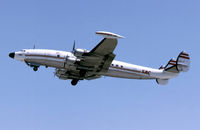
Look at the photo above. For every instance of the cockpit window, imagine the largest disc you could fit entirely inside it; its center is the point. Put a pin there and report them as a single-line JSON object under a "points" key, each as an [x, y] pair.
{"points": [[23, 50]]}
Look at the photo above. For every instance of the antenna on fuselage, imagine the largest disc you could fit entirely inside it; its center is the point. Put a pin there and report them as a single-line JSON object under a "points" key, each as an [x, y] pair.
{"points": [[34, 46]]}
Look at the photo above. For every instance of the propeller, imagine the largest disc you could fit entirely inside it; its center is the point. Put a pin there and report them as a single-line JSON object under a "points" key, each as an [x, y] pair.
{"points": [[74, 46], [54, 73]]}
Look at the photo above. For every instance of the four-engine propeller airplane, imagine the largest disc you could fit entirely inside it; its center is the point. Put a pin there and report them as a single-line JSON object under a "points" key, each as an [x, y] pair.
{"points": [[82, 64]]}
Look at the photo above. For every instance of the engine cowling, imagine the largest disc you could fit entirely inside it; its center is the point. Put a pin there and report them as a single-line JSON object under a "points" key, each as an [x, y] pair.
{"points": [[71, 60], [64, 74], [61, 74], [79, 52]]}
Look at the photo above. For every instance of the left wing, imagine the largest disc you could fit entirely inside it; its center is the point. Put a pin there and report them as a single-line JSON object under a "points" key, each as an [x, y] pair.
{"points": [[101, 56], [106, 46]]}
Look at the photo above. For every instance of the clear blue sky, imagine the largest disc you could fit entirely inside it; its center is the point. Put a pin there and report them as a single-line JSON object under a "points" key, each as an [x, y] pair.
{"points": [[155, 31]]}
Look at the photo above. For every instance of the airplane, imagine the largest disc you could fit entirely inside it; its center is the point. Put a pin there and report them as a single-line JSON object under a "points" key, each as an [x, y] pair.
{"points": [[80, 64]]}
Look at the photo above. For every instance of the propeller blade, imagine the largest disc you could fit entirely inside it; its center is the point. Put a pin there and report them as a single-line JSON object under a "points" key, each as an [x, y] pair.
{"points": [[74, 45]]}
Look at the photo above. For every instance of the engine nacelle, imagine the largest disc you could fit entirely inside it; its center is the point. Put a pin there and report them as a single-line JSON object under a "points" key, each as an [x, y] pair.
{"points": [[79, 52], [64, 75], [61, 74], [71, 60]]}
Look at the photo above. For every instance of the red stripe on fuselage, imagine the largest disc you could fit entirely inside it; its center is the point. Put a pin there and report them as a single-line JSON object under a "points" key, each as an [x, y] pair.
{"points": [[46, 56]]}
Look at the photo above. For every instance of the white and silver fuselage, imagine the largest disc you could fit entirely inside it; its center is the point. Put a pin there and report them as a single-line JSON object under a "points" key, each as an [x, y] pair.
{"points": [[66, 60]]}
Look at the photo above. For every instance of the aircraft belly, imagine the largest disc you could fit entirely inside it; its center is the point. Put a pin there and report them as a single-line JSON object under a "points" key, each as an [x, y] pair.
{"points": [[47, 62]]}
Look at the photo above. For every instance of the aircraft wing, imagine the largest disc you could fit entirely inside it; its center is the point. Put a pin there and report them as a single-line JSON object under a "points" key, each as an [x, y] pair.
{"points": [[105, 47], [101, 56]]}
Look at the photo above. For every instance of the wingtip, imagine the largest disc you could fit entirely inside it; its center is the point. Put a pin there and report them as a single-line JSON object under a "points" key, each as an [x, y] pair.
{"points": [[109, 34]]}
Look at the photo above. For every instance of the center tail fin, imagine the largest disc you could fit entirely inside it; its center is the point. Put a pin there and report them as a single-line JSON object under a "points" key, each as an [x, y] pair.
{"points": [[181, 64]]}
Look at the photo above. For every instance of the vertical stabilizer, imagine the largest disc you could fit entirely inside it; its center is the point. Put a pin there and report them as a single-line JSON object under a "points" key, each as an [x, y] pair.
{"points": [[181, 64]]}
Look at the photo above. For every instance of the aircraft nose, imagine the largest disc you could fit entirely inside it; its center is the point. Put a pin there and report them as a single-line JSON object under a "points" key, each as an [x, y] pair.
{"points": [[12, 55]]}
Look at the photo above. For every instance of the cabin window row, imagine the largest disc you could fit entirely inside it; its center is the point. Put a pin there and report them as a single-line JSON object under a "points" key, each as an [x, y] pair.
{"points": [[115, 65]]}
